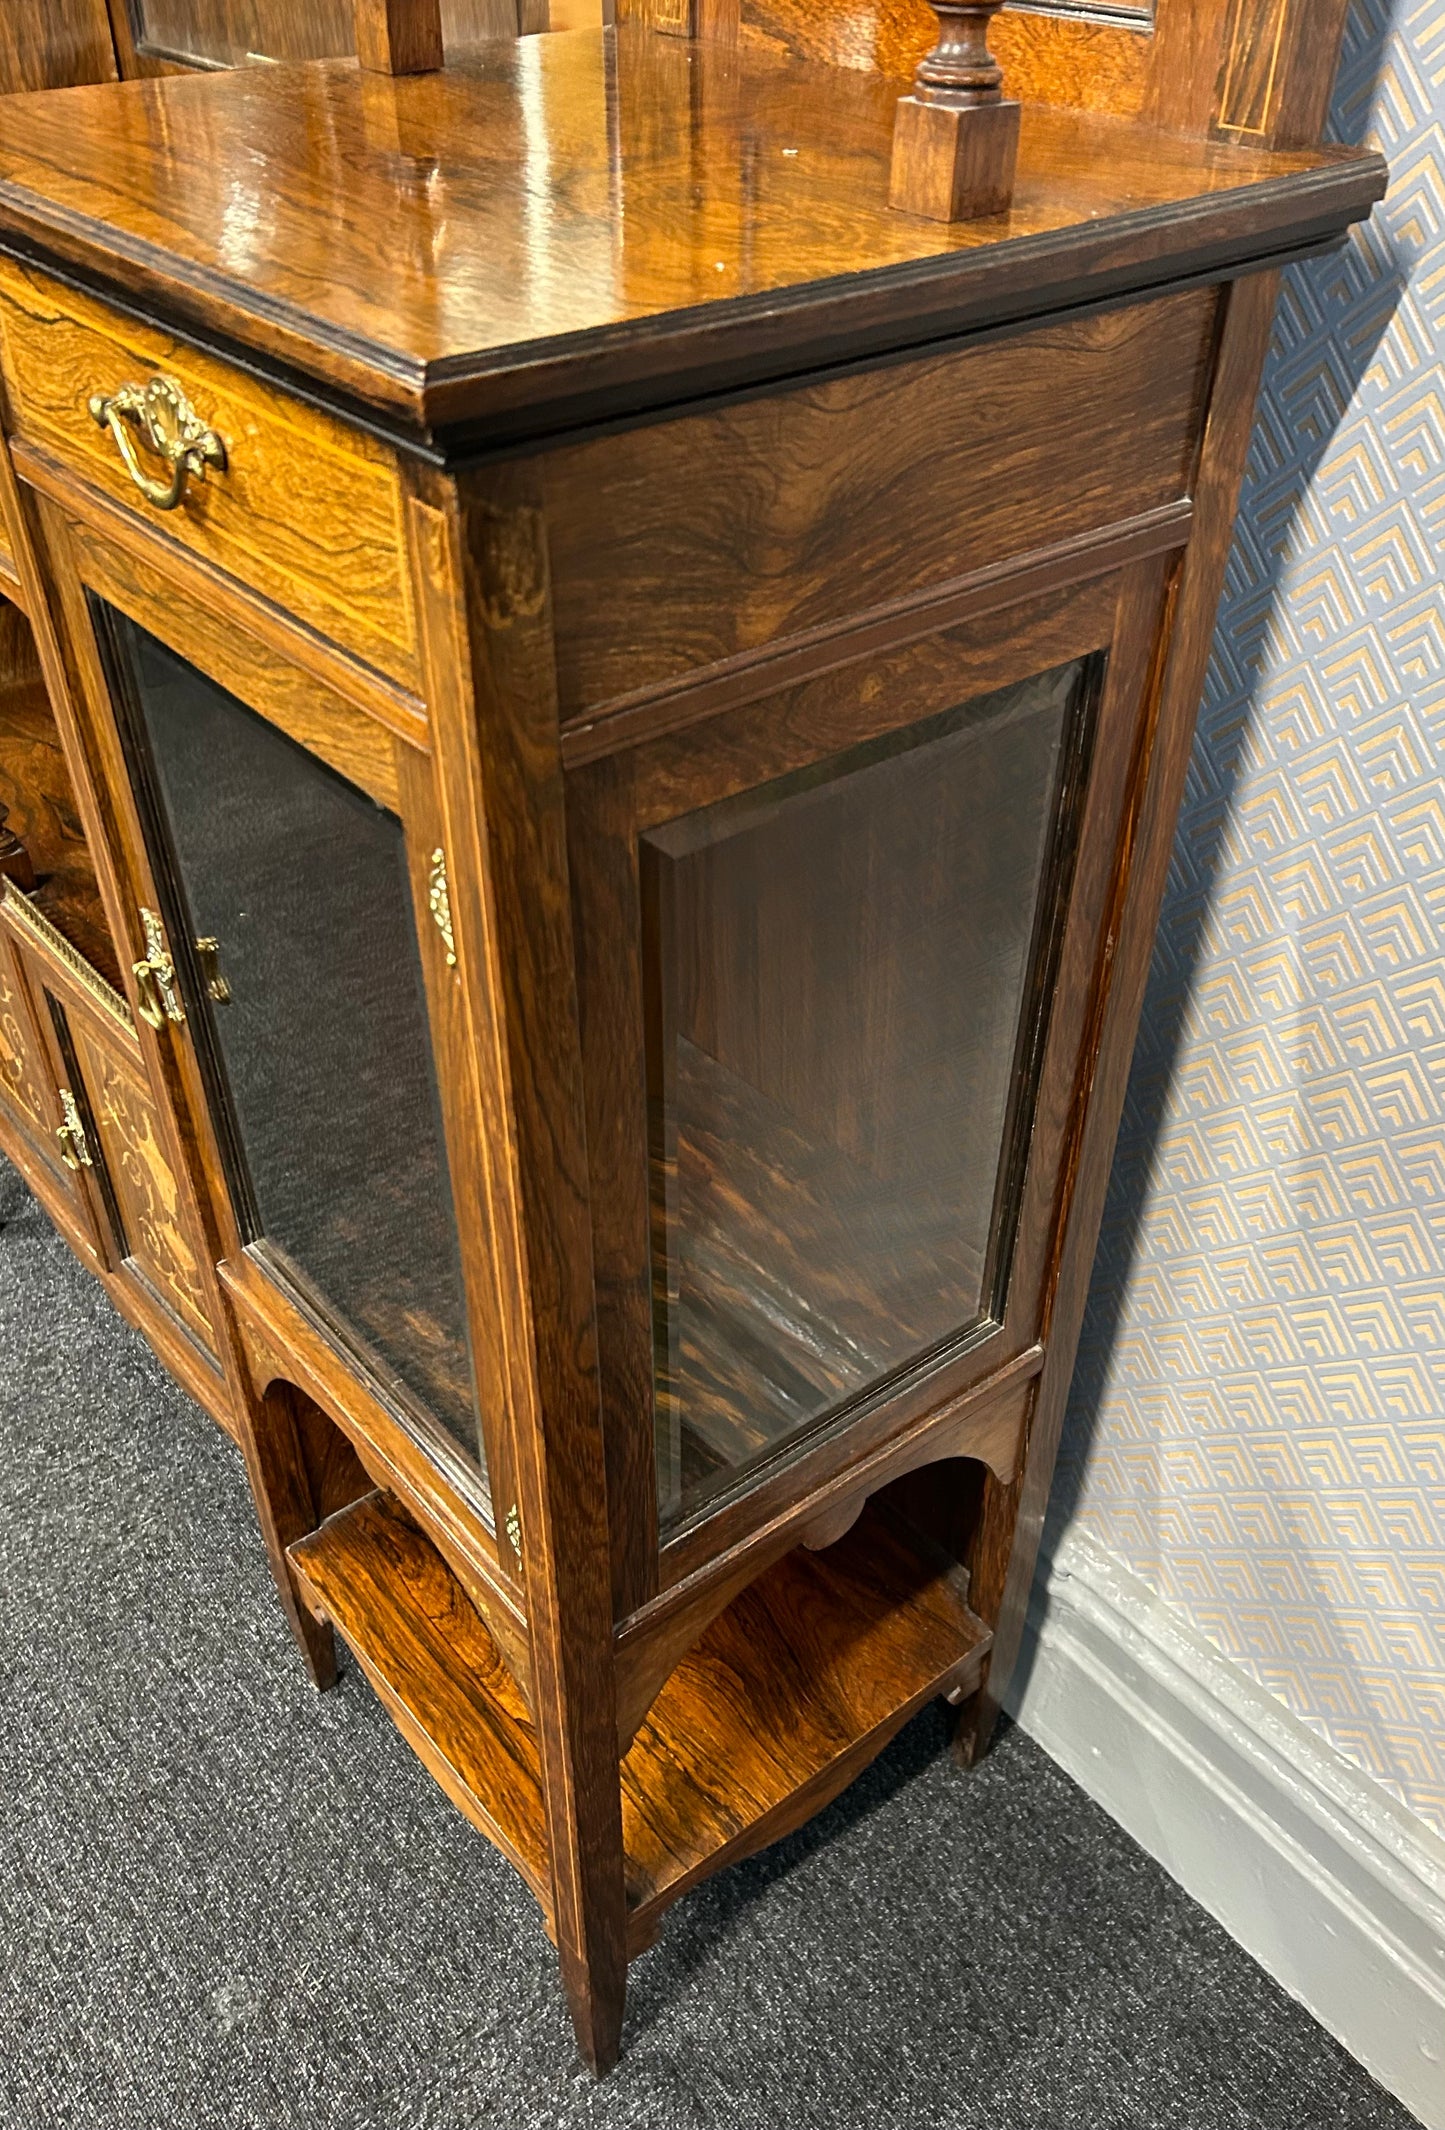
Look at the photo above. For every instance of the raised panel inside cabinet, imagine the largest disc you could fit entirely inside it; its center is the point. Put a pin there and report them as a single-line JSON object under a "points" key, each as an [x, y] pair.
{"points": [[54, 44], [234, 33]]}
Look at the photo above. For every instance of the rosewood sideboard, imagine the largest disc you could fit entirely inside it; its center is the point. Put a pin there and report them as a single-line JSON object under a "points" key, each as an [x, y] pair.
{"points": [[586, 818]]}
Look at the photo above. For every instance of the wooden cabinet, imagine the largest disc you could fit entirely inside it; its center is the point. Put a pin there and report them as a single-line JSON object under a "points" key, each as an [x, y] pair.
{"points": [[635, 764]]}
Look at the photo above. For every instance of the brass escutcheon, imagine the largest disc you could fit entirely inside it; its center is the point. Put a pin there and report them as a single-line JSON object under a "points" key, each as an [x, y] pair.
{"points": [[156, 976], [439, 902]]}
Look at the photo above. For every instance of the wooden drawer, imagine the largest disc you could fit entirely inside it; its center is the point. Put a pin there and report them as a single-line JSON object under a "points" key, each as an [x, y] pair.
{"points": [[307, 511], [703, 542]]}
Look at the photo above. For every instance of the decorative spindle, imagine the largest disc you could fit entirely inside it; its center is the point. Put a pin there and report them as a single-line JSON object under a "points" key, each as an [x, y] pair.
{"points": [[399, 36], [956, 138], [14, 857]]}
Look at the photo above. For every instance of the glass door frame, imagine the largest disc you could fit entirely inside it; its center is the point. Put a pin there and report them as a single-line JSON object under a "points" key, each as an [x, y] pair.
{"points": [[392, 759], [614, 798]]}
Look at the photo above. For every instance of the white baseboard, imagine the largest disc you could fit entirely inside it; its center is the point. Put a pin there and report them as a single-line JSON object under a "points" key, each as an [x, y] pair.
{"points": [[1334, 1887]]}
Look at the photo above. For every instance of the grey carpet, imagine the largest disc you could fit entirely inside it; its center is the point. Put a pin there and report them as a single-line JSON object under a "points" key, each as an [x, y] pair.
{"points": [[226, 1901]]}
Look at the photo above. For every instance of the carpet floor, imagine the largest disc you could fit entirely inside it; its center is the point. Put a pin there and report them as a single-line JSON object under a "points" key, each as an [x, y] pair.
{"points": [[226, 1901]]}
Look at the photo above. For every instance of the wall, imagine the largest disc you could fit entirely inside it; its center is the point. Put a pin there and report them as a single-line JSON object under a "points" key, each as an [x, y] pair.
{"points": [[1256, 1428]]}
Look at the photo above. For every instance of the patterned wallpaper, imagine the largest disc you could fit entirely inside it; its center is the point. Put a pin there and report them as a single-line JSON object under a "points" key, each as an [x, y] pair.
{"points": [[1256, 1424]]}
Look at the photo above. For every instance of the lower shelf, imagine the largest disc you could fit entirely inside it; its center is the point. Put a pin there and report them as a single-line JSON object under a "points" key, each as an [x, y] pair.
{"points": [[437, 1672], [786, 1697]]}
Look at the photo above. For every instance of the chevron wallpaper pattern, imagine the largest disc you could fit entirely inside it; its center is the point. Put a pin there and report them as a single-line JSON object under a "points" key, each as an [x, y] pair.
{"points": [[1258, 1418]]}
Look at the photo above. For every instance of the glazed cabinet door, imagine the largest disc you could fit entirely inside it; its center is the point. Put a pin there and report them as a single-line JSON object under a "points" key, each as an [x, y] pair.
{"points": [[837, 948], [292, 923]]}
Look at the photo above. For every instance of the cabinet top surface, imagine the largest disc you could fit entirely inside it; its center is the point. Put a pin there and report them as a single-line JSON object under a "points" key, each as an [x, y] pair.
{"points": [[580, 222]]}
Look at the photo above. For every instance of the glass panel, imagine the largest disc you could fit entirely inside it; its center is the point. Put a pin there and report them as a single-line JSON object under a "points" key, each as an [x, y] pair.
{"points": [[840, 973], [234, 33], [301, 880]]}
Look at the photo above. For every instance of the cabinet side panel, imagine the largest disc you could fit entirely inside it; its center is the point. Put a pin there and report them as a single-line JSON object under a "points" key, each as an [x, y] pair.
{"points": [[694, 543]]}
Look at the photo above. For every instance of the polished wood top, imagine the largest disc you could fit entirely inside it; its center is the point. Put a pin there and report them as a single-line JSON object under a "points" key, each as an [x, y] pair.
{"points": [[578, 224]]}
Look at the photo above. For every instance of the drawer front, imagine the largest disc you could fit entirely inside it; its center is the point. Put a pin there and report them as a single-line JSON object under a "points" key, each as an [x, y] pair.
{"points": [[306, 512], [677, 548]]}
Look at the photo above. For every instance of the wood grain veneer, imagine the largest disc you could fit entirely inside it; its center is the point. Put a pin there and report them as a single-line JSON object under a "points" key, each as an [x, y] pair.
{"points": [[506, 301], [775, 518], [23, 1072], [305, 511], [389, 1593], [157, 34], [52, 44], [791, 1690], [789, 1693], [1240, 69]]}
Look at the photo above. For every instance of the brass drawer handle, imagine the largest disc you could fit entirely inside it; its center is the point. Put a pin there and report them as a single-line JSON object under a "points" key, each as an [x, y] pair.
{"points": [[156, 976], [169, 427]]}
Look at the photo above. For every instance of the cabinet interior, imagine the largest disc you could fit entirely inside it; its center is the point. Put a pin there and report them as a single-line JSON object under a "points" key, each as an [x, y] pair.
{"points": [[36, 790]]}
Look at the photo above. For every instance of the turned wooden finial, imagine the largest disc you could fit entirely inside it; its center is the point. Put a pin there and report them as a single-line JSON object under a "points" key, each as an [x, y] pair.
{"points": [[956, 138], [14, 857], [399, 36]]}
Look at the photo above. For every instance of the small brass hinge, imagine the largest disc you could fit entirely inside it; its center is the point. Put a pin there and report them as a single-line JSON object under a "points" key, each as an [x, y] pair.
{"points": [[74, 1147], [514, 1529], [208, 954], [439, 901]]}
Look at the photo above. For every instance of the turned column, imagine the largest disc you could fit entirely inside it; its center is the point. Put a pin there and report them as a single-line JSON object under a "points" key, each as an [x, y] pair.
{"points": [[956, 138]]}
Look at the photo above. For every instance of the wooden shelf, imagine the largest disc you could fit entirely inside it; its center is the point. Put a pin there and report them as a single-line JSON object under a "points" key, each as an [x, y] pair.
{"points": [[436, 1670], [786, 1697]]}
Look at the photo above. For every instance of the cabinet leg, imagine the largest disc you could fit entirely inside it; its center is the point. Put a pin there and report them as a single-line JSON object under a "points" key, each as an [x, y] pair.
{"points": [[596, 1992], [988, 1562], [286, 1511], [973, 1732]]}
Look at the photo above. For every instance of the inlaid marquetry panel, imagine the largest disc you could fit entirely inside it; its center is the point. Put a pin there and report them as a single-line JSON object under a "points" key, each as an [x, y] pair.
{"points": [[1259, 1414], [23, 1074], [156, 1234], [1253, 66]]}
